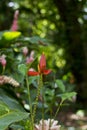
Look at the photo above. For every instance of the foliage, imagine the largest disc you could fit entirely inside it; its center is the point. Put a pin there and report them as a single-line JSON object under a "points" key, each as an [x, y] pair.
{"points": [[15, 102], [44, 26], [10, 117]]}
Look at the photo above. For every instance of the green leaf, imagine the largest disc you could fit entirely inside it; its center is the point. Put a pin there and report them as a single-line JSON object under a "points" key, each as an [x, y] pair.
{"points": [[16, 127], [3, 110], [60, 85], [8, 116], [18, 77], [11, 117], [23, 69], [36, 39], [68, 95], [10, 101], [31, 79], [11, 35]]}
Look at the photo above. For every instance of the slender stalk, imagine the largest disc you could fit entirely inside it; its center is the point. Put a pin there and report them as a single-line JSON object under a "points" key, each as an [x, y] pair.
{"points": [[42, 102], [37, 96], [61, 102], [30, 104], [3, 70], [43, 114], [50, 119]]}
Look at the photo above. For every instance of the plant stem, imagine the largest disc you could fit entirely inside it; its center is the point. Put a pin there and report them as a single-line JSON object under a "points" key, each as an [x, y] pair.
{"points": [[3, 70], [61, 102], [42, 103], [30, 104], [37, 96]]}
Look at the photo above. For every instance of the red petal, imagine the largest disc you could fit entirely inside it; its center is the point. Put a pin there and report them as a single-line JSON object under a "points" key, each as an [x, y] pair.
{"points": [[46, 72], [33, 73], [42, 63]]}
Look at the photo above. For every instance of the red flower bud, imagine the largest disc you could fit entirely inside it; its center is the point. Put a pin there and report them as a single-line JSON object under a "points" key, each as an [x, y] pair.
{"points": [[41, 68]]}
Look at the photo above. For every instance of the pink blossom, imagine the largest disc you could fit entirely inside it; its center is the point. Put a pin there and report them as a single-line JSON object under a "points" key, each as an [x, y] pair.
{"points": [[16, 14], [30, 58], [25, 50], [32, 54], [14, 26], [3, 60]]}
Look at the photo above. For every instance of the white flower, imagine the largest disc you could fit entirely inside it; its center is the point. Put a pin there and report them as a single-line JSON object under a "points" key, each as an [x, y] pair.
{"points": [[8, 80], [49, 124]]}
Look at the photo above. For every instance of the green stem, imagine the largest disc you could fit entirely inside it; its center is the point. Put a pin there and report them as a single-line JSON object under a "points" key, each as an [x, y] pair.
{"points": [[43, 114], [37, 96], [61, 102], [42, 103], [29, 99], [3, 70]]}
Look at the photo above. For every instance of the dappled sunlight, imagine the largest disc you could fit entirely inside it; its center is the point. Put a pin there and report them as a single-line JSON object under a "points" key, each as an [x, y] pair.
{"points": [[60, 61]]}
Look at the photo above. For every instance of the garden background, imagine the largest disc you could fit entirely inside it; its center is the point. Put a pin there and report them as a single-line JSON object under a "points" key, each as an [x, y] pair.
{"points": [[59, 29]]}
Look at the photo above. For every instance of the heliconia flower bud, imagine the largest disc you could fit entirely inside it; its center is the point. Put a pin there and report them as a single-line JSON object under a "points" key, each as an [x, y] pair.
{"points": [[41, 67], [42, 63], [25, 50]]}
